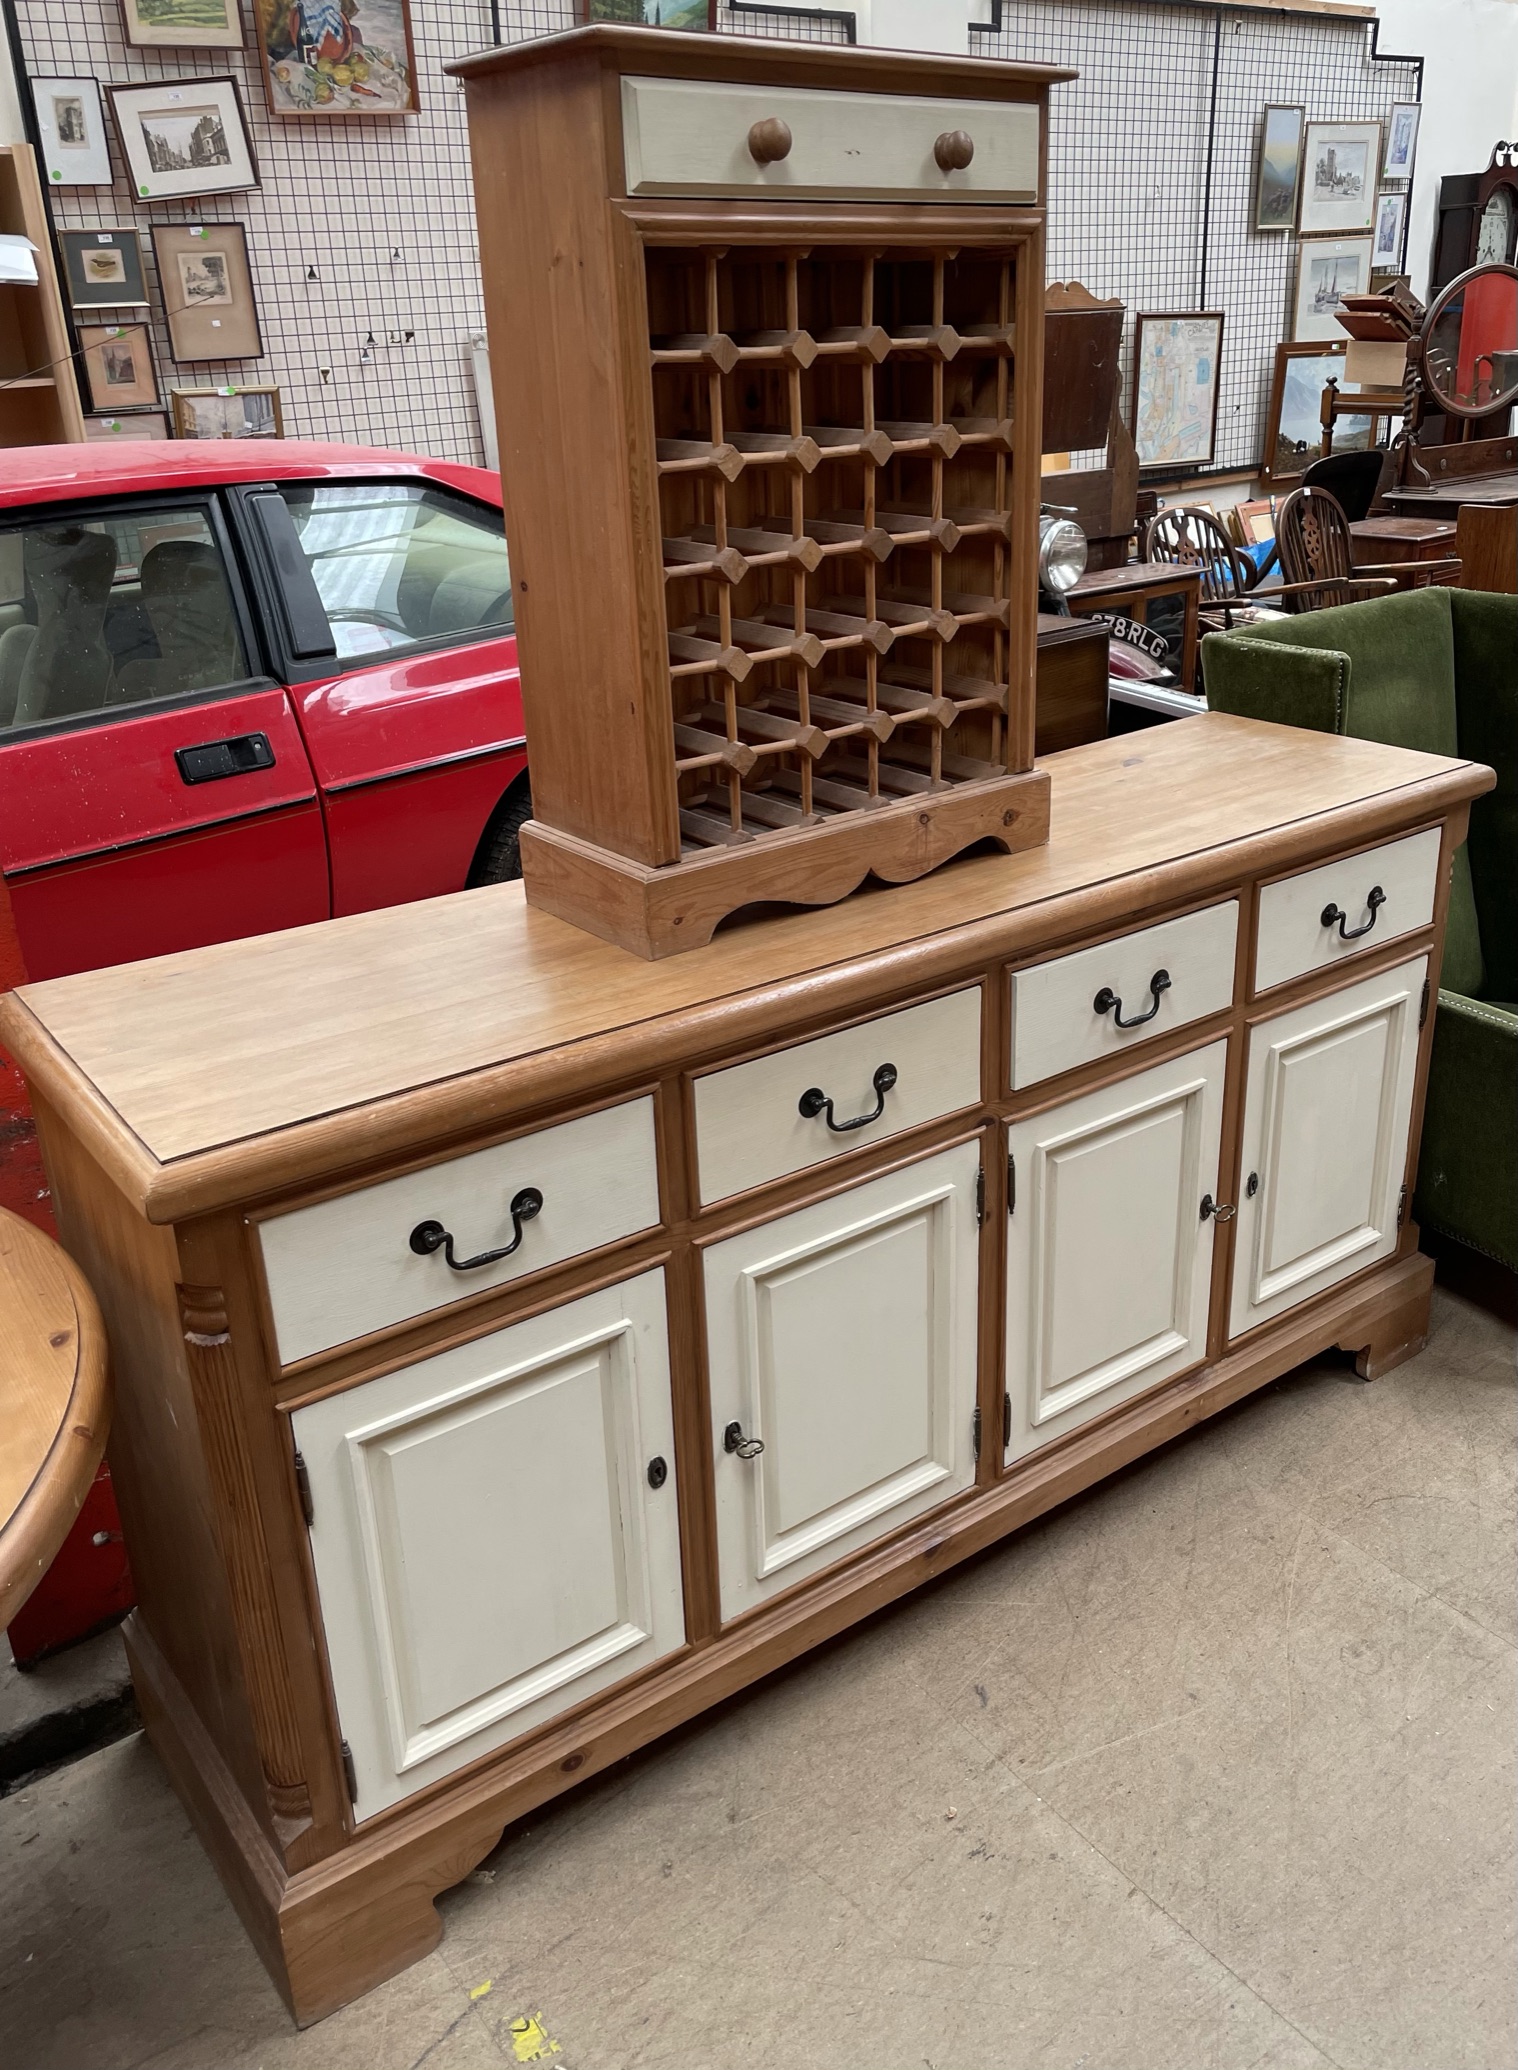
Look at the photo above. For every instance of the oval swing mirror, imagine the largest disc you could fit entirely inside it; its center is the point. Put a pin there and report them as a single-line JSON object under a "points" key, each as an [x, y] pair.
{"points": [[1470, 343]]}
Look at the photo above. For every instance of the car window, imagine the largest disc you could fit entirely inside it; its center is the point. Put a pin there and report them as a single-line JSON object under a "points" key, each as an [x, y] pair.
{"points": [[400, 564], [116, 610]]}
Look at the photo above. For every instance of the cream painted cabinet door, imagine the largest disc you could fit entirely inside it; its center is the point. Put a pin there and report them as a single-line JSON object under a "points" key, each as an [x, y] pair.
{"points": [[841, 1339], [1324, 1156], [490, 1544], [1109, 1256]]}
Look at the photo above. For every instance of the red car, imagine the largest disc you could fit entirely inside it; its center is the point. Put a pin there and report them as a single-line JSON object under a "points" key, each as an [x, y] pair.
{"points": [[244, 686]]}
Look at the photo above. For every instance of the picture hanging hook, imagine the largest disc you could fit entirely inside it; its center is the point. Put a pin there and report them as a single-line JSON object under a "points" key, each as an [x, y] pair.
{"points": [[312, 274]]}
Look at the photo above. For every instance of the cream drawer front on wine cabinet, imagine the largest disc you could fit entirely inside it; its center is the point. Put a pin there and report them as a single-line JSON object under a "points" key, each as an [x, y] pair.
{"points": [[693, 136], [800, 1106], [1104, 1001], [1109, 1244], [1327, 1109], [1328, 915], [841, 1347], [495, 1534], [368, 1259]]}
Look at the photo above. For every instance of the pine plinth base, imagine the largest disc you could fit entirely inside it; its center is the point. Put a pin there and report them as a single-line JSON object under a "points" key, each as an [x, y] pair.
{"points": [[659, 912]]}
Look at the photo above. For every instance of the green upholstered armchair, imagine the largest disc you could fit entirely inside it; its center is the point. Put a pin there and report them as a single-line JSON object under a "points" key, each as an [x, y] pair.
{"points": [[1435, 669]]}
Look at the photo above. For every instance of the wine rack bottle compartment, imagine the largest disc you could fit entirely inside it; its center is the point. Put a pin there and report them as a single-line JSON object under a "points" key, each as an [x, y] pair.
{"points": [[834, 465]]}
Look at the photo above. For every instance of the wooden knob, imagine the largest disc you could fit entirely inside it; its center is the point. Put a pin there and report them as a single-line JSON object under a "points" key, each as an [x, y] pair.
{"points": [[953, 150], [770, 140]]}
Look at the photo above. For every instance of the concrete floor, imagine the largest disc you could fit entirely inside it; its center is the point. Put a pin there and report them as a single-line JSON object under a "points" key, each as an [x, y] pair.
{"points": [[1211, 1771]]}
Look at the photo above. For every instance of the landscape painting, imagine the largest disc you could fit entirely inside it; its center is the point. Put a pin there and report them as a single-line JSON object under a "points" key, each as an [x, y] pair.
{"points": [[183, 24], [1280, 165]]}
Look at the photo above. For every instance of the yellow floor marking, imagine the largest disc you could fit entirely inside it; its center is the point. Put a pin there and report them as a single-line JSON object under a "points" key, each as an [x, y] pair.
{"points": [[480, 1989], [529, 2039]]}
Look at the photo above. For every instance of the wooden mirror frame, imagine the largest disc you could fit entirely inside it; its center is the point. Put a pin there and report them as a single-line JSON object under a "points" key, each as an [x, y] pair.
{"points": [[1436, 397]]}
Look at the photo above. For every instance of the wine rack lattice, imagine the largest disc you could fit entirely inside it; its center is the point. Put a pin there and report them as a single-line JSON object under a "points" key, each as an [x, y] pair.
{"points": [[834, 438]]}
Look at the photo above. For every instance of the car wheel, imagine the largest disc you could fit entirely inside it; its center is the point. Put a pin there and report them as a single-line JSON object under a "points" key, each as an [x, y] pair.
{"points": [[498, 859]]}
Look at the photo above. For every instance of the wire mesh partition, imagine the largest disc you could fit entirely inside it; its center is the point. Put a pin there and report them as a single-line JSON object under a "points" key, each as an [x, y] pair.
{"points": [[1152, 160], [834, 437]]}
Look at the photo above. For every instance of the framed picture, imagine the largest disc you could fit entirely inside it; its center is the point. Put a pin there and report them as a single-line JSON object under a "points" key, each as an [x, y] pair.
{"points": [[1391, 220], [72, 123], [1339, 177], [183, 137], [1401, 140], [658, 14], [119, 363], [1294, 420], [1328, 268], [142, 424], [251, 412], [1275, 200], [103, 269], [183, 24], [337, 60], [207, 291], [1175, 388]]}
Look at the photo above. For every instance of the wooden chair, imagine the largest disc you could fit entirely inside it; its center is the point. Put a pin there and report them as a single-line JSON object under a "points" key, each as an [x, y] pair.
{"points": [[1190, 538], [1312, 533]]}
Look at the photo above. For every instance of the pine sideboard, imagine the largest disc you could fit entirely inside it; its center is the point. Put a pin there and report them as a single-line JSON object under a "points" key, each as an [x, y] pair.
{"points": [[521, 1346]]}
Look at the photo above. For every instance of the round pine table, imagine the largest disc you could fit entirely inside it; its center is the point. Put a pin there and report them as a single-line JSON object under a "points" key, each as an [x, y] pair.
{"points": [[55, 1404]]}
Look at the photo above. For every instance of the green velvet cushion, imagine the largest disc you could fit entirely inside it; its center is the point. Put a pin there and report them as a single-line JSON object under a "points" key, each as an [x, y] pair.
{"points": [[1250, 678], [1486, 695], [1467, 1174]]}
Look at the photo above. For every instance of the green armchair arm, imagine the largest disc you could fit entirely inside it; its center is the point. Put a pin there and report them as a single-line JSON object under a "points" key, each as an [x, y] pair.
{"points": [[1273, 679]]}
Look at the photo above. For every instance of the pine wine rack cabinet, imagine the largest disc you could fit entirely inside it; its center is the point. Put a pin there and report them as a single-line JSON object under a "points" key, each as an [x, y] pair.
{"points": [[520, 1346], [769, 351]]}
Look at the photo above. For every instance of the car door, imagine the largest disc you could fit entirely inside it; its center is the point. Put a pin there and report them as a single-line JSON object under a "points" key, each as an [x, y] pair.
{"points": [[418, 733], [155, 792]]}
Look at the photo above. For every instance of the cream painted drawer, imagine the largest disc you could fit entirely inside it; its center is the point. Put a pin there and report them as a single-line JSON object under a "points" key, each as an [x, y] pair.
{"points": [[1065, 1013], [691, 136], [750, 1127], [1300, 926], [345, 1267]]}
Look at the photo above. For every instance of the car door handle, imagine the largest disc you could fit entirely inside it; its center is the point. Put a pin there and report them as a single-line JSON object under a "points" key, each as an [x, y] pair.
{"points": [[213, 759]]}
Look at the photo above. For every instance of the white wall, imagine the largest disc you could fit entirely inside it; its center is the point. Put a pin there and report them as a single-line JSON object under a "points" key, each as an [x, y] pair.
{"points": [[1470, 95]]}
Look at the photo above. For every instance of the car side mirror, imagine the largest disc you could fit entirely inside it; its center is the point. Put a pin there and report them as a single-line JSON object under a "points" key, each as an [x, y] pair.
{"points": [[293, 591]]}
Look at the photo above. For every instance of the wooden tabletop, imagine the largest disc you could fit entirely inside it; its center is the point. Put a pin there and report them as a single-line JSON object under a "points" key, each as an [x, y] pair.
{"points": [[1436, 531], [205, 1078], [1458, 489], [54, 1404], [1132, 580]]}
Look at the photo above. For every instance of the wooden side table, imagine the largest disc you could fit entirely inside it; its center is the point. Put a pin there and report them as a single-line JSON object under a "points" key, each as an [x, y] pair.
{"points": [[54, 1403], [1131, 590], [1388, 542]]}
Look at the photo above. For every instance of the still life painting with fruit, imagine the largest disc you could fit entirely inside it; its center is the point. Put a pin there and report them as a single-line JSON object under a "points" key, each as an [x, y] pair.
{"points": [[337, 57]]}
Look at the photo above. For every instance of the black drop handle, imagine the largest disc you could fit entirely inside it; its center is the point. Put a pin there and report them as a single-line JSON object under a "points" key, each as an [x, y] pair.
{"points": [[814, 1101], [1107, 1001], [1375, 899], [428, 1237]]}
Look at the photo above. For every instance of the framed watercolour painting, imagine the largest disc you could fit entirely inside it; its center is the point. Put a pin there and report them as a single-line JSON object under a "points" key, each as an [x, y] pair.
{"points": [[1294, 421], [141, 424], [1339, 177], [1401, 140], [329, 57], [183, 137], [207, 291], [1391, 219], [1275, 201], [1175, 388], [72, 126], [183, 24], [103, 269], [120, 366], [251, 412], [1328, 268]]}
